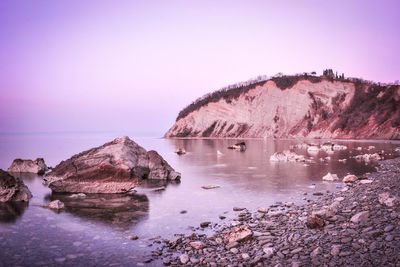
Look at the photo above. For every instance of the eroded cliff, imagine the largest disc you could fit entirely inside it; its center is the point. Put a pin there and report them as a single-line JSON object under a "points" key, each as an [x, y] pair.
{"points": [[312, 108]]}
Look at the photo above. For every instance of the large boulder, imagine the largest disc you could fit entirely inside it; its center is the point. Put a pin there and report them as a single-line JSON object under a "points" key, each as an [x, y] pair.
{"points": [[13, 189], [114, 167], [160, 169], [26, 165]]}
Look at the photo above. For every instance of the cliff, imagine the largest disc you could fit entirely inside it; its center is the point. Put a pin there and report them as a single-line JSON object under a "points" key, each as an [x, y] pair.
{"points": [[295, 107]]}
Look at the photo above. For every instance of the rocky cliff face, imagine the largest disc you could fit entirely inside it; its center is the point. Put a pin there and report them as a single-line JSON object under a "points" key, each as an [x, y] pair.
{"points": [[321, 108]]}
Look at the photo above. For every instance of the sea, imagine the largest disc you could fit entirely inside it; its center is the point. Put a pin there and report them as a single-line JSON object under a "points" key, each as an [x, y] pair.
{"points": [[95, 231]]}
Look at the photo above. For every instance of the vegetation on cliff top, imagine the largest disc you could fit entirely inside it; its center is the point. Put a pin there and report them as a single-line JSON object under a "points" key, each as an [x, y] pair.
{"points": [[282, 81]]}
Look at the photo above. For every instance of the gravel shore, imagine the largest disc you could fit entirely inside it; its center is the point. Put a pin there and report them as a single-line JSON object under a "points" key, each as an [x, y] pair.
{"points": [[357, 226]]}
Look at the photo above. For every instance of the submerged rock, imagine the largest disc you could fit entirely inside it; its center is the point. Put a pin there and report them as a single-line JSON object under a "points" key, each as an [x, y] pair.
{"points": [[26, 165], [54, 205], [180, 151], [12, 188], [241, 146], [114, 167], [287, 156]]}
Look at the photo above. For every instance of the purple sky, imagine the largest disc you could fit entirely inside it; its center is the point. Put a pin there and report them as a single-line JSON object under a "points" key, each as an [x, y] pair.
{"points": [[131, 66]]}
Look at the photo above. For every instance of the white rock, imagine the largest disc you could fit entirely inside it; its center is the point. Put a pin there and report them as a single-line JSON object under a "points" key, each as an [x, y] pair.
{"points": [[387, 200], [360, 217], [330, 177], [184, 258], [366, 181], [335, 250], [268, 251], [245, 256]]}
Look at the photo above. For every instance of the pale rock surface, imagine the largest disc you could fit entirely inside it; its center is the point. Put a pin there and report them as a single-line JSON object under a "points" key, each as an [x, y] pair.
{"points": [[30, 166], [238, 234], [54, 205], [388, 200], [13, 189], [266, 111], [350, 178], [360, 217], [330, 177]]}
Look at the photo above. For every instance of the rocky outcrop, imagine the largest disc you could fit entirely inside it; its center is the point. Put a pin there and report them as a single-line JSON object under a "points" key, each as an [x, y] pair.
{"points": [[160, 169], [312, 108], [26, 165], [13, 189], [114, 167]]}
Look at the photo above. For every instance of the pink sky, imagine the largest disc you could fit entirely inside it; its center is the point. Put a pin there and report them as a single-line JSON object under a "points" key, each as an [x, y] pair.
{"points": [[133, 65]]}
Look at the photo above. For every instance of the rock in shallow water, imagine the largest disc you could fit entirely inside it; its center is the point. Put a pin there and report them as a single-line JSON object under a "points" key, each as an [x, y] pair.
{"points": [[30, 166], [12, 188], [114, 167], [54, 205]]}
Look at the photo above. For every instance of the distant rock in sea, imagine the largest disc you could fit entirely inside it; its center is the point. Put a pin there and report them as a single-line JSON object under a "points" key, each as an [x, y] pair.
{"points": [[115, 167], [13, 189], [29, 166], [295, 106]]}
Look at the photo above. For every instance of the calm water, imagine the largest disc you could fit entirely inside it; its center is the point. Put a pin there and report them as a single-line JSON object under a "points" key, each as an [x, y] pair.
{"points": [[95, 231]]}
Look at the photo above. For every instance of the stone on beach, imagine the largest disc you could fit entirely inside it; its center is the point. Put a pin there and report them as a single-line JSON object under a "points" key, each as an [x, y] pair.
{"points": [[388, 200], [28, 166], [315, 221], [114, 167], [197, 244], [238, 234], [350, 178], [13, 189], [360, 217], [330, 177], [54, 205]]}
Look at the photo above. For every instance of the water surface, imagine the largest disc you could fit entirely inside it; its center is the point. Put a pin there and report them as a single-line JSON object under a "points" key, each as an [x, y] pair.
{"points": [[94, 231]]}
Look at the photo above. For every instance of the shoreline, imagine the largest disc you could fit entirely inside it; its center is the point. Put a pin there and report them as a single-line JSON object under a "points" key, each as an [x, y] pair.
{"points": [[390, 141], [279, 235]]}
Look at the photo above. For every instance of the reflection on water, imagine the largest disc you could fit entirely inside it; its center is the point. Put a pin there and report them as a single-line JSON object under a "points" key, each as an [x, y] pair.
{"points": [[11, 211], [115, 209]]}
